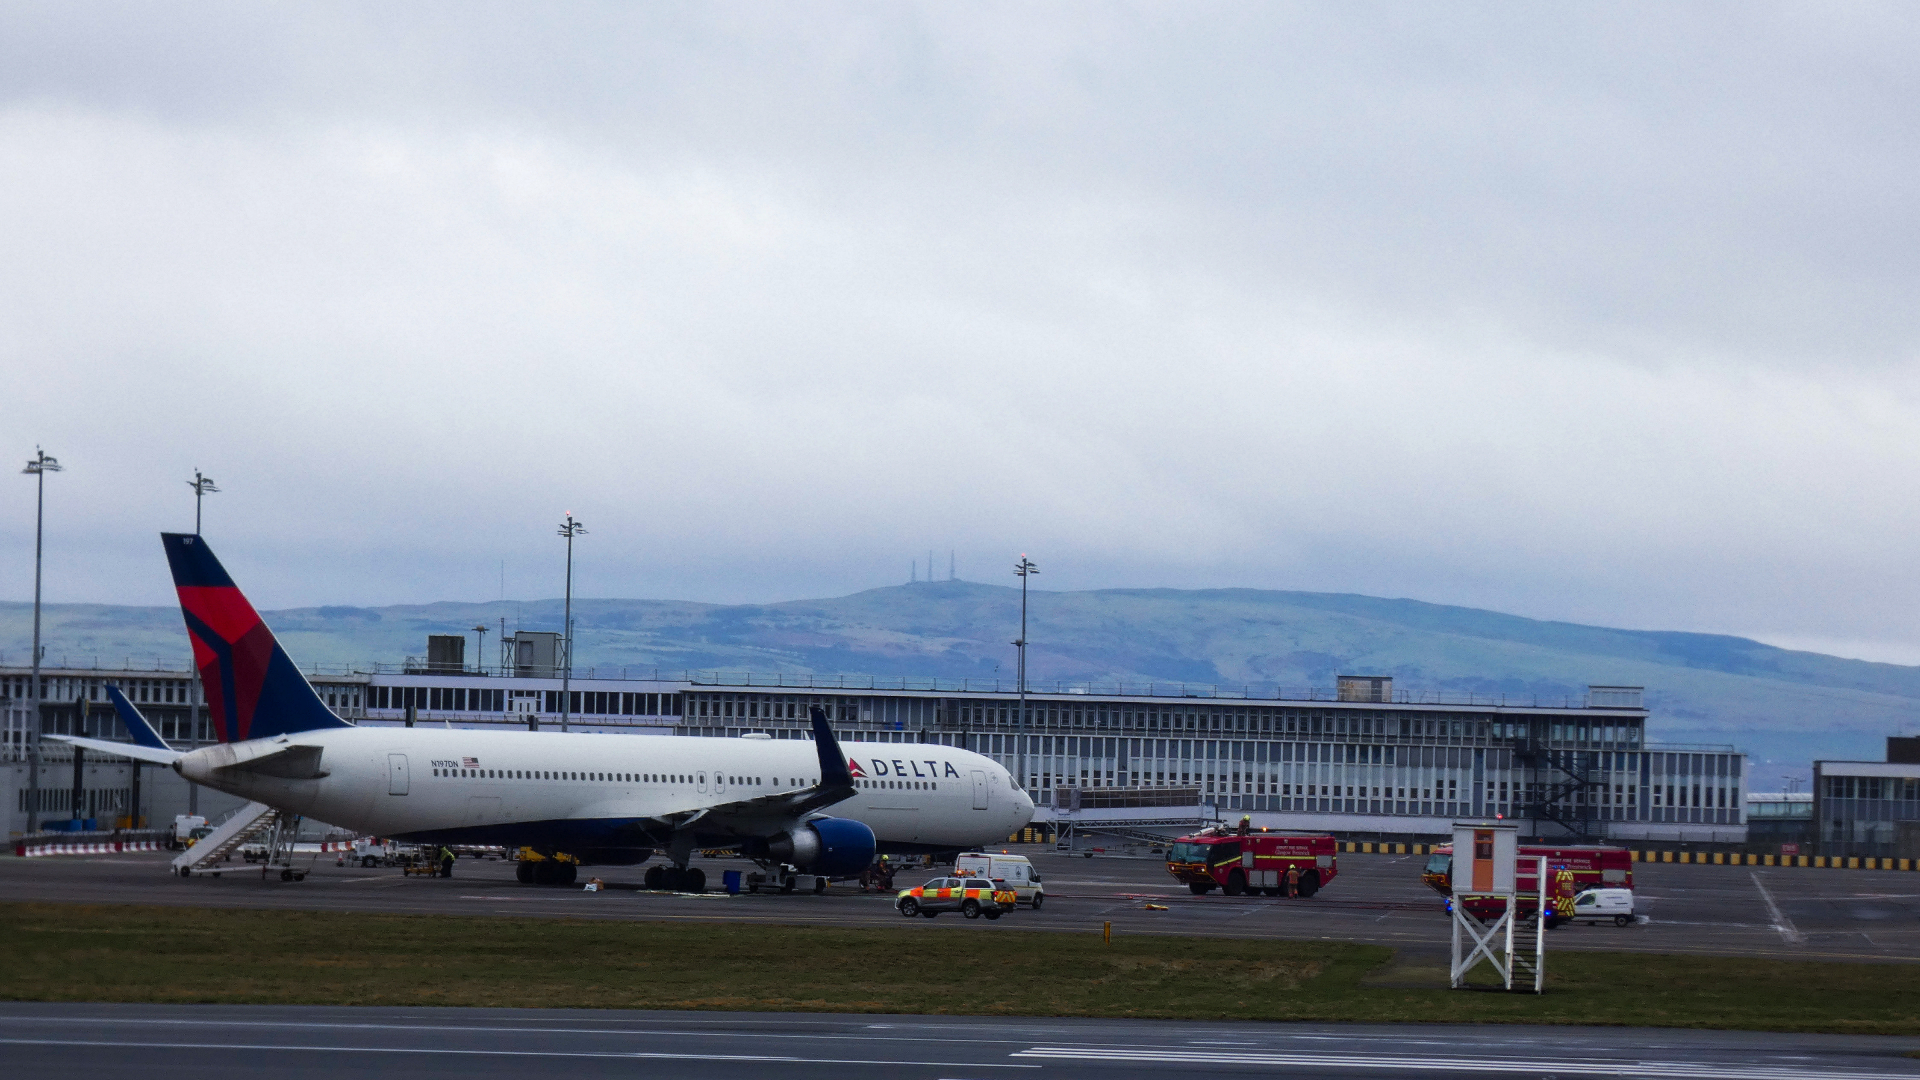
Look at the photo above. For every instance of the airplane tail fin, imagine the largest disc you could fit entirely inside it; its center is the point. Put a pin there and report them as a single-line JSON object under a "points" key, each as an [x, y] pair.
{"points": [[253, 689]]}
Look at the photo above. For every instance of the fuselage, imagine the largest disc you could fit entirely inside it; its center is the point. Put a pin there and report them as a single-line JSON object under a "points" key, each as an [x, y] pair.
{"points": [[609, 791]]}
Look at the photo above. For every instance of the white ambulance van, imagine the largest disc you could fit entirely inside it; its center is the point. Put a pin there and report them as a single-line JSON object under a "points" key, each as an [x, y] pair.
{"points": [[1007, 871]]}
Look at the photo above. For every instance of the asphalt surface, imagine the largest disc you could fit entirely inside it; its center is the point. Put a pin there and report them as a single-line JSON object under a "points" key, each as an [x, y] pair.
{"points": [[159, 1042], [1713, 910]]}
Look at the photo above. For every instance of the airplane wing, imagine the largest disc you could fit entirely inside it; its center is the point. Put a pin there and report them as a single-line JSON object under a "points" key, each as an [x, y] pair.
{"points": [[768, 813], [120, 749]]}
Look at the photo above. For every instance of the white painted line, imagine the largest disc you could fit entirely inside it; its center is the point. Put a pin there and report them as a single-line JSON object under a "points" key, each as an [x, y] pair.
{"points": [[634, 1028], [678, 1056], [1780, 922], [1676, 1070]]}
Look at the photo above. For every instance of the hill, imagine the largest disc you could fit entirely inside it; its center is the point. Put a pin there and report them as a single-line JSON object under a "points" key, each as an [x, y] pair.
{"points": [[1780, 705]]}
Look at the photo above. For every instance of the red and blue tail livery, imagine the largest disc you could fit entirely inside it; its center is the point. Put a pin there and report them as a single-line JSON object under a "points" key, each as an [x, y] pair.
{"points": [[253, 689]]}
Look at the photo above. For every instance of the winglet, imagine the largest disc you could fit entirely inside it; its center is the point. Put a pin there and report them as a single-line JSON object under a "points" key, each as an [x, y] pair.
{"points": [[833, 763], [136, 724]]}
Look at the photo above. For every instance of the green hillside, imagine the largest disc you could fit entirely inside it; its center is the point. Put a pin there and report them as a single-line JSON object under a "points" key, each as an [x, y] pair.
{"points": [[1780, 705]]}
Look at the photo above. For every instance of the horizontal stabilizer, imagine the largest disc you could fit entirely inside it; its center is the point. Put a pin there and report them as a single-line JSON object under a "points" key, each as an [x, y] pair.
{"points": [[292, 763], [120, 749], [136, 724]]}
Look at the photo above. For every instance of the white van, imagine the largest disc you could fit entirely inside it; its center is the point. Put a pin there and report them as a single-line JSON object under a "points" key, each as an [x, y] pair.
{"points": [[1594, 905], [1007, 871]]}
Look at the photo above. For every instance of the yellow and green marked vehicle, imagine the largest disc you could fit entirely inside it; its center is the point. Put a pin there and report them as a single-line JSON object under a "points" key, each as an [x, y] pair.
{"points": [[971, 897]]}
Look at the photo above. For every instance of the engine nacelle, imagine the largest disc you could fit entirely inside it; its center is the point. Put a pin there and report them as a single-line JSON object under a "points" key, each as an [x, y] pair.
{"points": [[830, 847]]}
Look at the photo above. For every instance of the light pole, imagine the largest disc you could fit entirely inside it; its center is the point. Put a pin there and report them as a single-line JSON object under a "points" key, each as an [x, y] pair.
{"points": [[480, 656], [569, 529], [1023, 570], [202, 487], [38, 466]]}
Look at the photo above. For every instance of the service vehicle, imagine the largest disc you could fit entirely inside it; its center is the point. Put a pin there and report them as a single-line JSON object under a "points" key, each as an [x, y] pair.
{"points": [[784, 880], [1574, 868], [1594, 905], [1006, 872], [1240, 861], [183, 826], [972, 897]]}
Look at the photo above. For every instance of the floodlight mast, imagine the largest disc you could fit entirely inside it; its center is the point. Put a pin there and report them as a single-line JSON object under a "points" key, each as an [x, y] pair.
{"points": [[38, 466], [202, 486], [1023, 570], [569, 529]]}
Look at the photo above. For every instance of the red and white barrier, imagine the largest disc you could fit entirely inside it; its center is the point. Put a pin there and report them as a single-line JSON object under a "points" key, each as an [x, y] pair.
{"points": [[29, 851]]}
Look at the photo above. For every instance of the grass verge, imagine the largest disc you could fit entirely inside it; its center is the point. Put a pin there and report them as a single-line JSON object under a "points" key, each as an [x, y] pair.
{"points": [[155, 954]]}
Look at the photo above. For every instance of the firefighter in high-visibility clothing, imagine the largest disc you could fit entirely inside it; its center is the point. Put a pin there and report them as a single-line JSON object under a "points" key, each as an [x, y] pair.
{"points": [[1293, 882]]}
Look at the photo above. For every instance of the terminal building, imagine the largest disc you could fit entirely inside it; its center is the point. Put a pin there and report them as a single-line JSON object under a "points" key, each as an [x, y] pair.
{"points": [[1869, 808], [1361, 759]]}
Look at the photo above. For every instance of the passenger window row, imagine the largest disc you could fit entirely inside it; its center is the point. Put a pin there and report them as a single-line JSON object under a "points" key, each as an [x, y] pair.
{"points": [[618, 778]]}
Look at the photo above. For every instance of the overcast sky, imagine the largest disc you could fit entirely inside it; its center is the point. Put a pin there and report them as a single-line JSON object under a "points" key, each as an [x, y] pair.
{"points": [[1599, 313]]}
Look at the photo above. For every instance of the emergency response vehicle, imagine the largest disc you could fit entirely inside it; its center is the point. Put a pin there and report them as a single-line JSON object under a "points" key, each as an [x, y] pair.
{"points": [[1572, 870], [1006, 872], [972, 897], [1241, 861]]}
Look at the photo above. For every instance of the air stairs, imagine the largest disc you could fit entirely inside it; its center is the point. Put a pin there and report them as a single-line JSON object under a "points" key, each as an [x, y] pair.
{"points": [[209, 855]]}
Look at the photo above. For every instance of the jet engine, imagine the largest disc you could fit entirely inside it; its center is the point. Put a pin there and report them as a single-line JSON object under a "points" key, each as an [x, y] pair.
{"points": [[830, 847]]}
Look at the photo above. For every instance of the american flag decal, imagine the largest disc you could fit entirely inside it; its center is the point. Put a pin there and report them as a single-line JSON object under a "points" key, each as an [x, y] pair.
{"points": [[470, 762]]}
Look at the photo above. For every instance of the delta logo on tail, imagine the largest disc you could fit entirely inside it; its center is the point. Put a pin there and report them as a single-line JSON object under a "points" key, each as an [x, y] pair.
{"points": [[253, 689]]}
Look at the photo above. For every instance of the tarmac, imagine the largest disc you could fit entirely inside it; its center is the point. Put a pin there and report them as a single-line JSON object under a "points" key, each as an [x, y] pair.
{"points": [[1787, 913], [207, 1042]]}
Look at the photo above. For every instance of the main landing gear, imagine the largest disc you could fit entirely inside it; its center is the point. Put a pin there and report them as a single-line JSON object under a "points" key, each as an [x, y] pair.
{"points": [[546, 872], [677, 879]]}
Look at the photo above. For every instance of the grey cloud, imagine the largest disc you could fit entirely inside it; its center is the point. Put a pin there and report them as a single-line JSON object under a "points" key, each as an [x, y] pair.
{"points": [[1581, 313]]}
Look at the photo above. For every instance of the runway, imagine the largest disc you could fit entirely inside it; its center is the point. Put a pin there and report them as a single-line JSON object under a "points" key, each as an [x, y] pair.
{"points": [[1856, 915], [159, 1042]]}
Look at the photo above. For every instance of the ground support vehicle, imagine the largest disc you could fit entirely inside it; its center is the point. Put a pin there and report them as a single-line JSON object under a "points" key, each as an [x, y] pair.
{"points": [[371, 853], [559, 868], [1239, 861], [1013, 872], [1595, 905], [1574, 868], [971, 897], [784, 879], [183, 830]]}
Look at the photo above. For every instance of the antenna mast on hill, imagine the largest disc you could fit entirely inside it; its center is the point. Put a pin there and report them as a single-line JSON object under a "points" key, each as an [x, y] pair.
{"points": [[951, 576]]}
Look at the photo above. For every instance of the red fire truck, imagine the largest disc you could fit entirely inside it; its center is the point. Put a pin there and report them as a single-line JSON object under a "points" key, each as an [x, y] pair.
{"points": [[1571, 869], [1241, 861]]}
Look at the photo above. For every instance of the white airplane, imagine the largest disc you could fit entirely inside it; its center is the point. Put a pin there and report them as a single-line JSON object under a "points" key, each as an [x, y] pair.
{"points": [[594, 798]]}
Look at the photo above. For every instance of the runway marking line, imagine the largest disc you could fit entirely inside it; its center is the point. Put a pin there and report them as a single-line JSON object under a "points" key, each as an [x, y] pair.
{"points": [[598, 1054], [1679, 1070], [1780, 921], [489, 1029]]}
